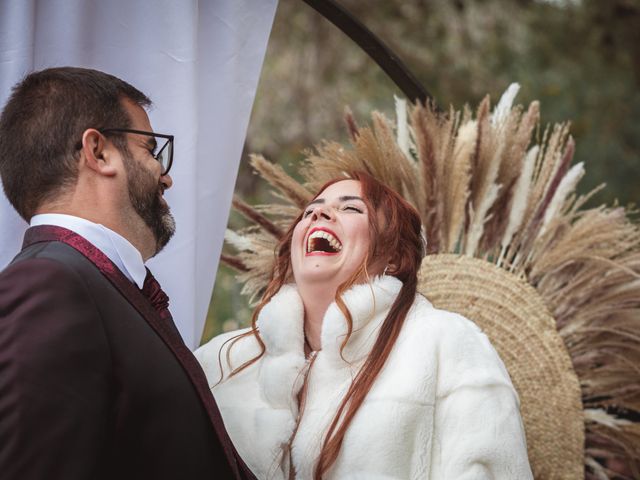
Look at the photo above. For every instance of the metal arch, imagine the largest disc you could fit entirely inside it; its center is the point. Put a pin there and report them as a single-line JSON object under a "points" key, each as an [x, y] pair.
{"points": [[374, 47]]}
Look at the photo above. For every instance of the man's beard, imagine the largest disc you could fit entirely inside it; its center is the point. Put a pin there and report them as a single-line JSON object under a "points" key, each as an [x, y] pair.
{"points": [[145, 195]]}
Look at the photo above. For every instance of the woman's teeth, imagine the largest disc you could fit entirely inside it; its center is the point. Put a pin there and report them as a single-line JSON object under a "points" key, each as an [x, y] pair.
{"points": [[323, 241]]}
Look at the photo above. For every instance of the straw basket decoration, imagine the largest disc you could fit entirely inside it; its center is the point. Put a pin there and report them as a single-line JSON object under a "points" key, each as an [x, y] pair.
{"points": [[555, 285]]}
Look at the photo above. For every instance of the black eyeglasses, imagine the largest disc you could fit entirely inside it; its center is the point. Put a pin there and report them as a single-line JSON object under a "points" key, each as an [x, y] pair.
{"points": [[162, 153]]}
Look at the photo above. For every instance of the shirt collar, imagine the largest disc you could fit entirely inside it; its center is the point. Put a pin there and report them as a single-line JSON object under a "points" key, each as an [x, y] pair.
{"points": [[117, 248]]}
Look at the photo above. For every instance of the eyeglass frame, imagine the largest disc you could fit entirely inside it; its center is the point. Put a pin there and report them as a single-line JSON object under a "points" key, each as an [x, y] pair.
{"points": [[148, 134]]}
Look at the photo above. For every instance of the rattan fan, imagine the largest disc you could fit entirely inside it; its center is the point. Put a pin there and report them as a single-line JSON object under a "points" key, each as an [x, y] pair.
{"points": [[556, 286]]}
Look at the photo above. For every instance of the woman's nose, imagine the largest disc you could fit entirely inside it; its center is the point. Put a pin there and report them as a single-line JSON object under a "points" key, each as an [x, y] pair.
{"points": [[322, 212]]}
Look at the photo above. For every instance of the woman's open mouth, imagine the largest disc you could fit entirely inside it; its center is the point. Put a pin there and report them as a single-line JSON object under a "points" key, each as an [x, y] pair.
{"points": [[323, 242]]}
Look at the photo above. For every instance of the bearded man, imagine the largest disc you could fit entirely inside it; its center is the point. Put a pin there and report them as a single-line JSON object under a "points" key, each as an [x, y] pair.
{"points": [[95, 380]]}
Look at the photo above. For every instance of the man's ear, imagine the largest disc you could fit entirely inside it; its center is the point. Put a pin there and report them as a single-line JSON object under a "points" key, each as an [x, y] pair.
{"points": [[98, 154]]}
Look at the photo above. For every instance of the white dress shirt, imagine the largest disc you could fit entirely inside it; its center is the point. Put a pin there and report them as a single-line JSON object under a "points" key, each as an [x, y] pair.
{"points": [[117, 248]]}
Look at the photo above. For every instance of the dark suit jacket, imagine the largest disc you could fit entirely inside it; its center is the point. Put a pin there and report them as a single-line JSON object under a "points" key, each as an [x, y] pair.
{"points": [[93, 384]]}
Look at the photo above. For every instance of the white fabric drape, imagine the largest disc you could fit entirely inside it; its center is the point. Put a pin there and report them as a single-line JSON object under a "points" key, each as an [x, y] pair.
{"points": [[199, 61]]}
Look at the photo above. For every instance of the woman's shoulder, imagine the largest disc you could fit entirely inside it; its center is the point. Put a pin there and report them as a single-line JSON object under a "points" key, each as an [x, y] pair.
{"points": [[425, 318], [227, 351], [460, 345]]}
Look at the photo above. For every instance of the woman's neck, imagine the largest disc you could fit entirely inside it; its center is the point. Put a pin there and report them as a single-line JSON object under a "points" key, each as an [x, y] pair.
{"points": [[316, 301]]}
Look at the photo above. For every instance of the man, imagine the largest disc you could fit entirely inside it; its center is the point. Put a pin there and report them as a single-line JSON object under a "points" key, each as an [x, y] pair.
{"points": [[95, 380]]}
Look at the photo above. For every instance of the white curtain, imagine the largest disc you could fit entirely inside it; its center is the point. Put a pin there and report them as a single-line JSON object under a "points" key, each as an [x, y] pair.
{"points": [[199, 61]]}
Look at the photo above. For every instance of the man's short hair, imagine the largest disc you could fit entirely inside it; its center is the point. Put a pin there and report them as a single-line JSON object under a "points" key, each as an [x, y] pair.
{"points": [[42, 124]]}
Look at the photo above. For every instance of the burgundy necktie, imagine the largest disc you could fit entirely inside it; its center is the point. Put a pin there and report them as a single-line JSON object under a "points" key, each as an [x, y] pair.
{"points": [[153, 291]]}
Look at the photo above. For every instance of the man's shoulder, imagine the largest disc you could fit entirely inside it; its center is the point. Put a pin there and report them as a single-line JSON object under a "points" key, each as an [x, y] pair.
{"points": [[51, 256], [42, 266], [48, 270], [53, 250]]}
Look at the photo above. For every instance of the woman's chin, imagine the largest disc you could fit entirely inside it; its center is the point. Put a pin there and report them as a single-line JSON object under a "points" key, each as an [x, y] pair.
{"points": [[318, 277]]}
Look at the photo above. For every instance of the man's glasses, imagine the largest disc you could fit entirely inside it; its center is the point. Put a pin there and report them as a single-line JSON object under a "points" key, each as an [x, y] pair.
{"points": [[162, 152]]}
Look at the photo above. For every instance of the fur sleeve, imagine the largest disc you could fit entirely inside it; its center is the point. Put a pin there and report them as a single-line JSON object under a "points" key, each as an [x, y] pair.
{"points": [[478, 432]]}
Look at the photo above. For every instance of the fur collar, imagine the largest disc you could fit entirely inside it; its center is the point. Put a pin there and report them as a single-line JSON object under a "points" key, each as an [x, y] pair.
{"points": [[281, 326]]}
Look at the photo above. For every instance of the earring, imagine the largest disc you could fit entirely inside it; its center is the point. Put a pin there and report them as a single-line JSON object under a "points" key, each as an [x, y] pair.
{"points": [[384, 272], [423, 239]]}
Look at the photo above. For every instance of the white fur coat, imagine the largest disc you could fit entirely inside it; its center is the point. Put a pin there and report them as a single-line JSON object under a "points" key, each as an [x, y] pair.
{"points": [[443, 406]]}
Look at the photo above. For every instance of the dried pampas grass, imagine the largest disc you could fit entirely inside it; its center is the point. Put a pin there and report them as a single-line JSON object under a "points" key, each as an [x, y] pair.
{"points": [[484, 188]]}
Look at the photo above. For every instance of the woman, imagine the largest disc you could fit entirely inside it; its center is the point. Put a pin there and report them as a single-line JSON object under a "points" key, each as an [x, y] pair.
{"points": [[347, 372]]}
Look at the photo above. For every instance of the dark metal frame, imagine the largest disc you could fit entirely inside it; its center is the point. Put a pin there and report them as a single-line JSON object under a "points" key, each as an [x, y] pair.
{"points": [[168, 138], [374, 47]]}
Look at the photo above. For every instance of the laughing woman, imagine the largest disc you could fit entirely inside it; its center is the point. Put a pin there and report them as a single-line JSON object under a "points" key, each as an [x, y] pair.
{"points": [[348, 372]]}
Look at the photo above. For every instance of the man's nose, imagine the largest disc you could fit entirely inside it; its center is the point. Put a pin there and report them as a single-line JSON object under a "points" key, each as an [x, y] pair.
{"points": [[166, 181]]}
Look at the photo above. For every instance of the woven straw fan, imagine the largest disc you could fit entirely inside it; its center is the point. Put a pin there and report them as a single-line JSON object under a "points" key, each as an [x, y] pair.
{"points": [[555, 285]]}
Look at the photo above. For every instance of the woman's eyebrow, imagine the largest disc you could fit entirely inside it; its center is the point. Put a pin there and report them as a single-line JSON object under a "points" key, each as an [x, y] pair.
{"points": [[317, 200], [344, 198]]}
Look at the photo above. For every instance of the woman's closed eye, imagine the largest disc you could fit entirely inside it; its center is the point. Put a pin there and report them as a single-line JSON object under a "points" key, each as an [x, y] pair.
{"points": [[350, 208], [353, 208]]}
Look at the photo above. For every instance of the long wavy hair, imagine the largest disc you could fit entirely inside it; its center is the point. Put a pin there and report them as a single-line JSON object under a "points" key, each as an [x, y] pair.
{"points": [[396, 240]]}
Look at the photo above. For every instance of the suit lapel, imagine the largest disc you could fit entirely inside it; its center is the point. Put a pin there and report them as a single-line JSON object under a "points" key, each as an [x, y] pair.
{"points": [[165, 329]]}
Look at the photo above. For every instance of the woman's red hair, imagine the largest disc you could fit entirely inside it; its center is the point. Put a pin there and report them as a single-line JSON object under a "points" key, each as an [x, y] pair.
{"points": [[395, 240]]}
